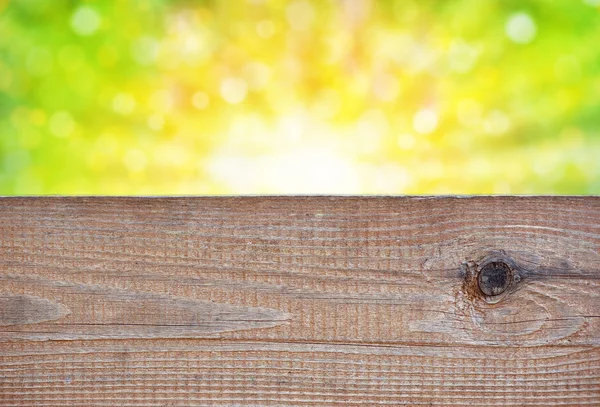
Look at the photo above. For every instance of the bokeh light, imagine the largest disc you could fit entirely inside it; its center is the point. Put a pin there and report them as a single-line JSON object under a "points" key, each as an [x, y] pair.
{"points": [[302, 96]]}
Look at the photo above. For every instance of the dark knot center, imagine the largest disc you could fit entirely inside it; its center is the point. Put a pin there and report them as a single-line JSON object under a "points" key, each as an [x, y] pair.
{"points": [[494, 278]]}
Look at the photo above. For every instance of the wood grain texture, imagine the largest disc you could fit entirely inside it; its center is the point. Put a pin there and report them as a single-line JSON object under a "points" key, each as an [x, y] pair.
{"points": [[298, 301]]}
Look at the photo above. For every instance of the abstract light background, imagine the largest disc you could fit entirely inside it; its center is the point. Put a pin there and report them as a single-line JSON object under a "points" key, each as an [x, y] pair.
{"points": [[330, 96]]}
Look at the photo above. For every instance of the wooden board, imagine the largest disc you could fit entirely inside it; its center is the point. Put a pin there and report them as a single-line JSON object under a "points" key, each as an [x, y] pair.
{"points": [[300, 301]]}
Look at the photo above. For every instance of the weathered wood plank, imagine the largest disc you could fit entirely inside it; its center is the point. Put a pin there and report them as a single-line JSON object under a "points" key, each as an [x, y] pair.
{"points": [[308, 301]]}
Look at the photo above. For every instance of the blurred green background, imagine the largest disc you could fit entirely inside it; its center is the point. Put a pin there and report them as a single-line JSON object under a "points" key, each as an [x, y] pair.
{"points": [[330, 96]]}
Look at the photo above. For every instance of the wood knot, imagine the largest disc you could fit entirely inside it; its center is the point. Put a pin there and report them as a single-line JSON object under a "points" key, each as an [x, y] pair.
{"points": [[491, 278]]}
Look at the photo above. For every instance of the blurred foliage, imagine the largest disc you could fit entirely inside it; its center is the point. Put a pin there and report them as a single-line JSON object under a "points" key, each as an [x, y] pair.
{"points": [[271, 96]]}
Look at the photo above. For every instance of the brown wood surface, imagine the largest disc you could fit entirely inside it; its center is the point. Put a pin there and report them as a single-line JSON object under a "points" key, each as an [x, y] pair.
{"points": [[298, 301]]}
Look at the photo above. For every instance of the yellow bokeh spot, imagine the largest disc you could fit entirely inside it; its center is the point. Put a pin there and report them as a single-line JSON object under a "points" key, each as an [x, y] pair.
{"points": [[425, 121], [135, 160], [61, 124], [521, 28], [123, 103], [233, 90], [200, 100], [85, 20]]}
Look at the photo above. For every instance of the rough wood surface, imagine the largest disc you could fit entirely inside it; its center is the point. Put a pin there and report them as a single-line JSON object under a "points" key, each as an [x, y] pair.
{"points": [[299, 301]]}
